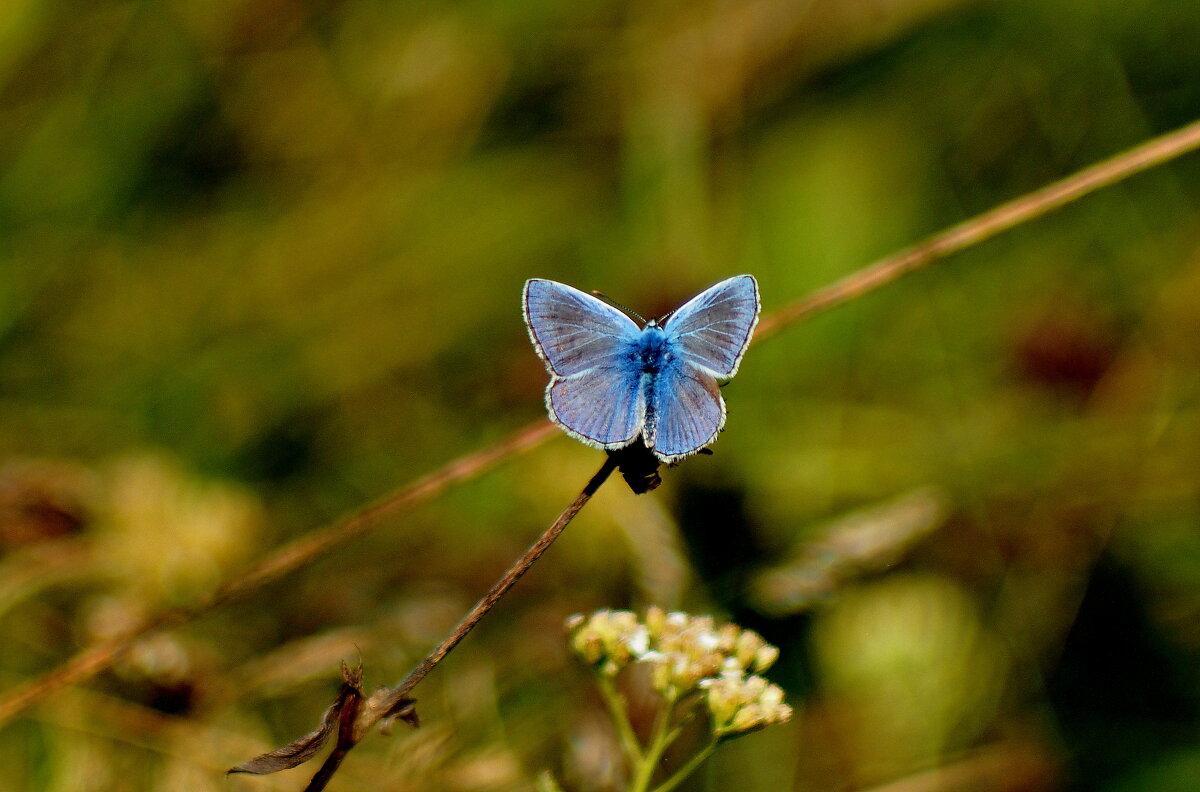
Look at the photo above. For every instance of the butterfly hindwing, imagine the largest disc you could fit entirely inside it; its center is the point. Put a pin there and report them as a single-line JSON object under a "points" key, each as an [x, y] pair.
{"points": [[713, 329], [572, 330], [687, 414], [602, 406]]}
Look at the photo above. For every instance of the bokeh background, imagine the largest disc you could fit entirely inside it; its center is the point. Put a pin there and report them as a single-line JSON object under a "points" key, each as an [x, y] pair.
{"points": [[260, 263]]}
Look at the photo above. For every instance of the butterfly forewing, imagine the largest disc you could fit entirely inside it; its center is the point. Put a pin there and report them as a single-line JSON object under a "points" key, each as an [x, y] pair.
{"points": [[573, 331], [602, 406], [688, 412], [713, 329]]}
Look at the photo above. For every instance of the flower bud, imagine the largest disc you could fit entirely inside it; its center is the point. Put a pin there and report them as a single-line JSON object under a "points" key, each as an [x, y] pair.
{"points": [[748, 644], [728, 636], [656, 621], [588, 646], [747, 718], [722, 704], [772, 697], [764, 658], [687, 675]]}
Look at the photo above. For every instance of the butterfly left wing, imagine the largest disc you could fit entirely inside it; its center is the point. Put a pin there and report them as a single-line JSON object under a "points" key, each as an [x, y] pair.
{"points": [[602, 407], [572, 330], [594, 392], [713, 329]]}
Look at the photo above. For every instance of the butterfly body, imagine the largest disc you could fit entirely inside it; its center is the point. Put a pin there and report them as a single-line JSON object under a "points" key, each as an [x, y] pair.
{"points": [[613, 382], [653, 355]]}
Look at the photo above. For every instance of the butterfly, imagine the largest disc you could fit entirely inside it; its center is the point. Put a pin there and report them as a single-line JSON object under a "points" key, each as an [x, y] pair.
{"points": [[614, 383]]}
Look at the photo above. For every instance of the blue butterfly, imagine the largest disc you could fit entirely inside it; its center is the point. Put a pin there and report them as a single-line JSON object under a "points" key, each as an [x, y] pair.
{"points": [[613, 382]]}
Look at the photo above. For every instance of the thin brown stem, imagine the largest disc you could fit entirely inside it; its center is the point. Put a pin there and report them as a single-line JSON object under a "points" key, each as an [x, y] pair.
{"points": [[389, 700], [489, 600], [971, 232]]}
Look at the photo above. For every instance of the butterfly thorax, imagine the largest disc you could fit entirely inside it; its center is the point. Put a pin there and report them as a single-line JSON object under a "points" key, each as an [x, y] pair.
{"points": [[652, 350]]}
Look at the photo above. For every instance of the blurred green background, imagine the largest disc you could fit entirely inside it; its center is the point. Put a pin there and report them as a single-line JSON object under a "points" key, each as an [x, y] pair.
{"points": [[260, 262]]}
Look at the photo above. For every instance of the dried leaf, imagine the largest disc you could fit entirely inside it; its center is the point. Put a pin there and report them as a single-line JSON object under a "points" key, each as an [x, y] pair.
{"points": [[300, 751], [405, 710]]}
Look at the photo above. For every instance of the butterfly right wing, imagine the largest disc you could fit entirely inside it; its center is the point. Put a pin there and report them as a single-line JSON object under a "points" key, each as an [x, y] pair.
{"points": [[709, 334], [713, 329], [595, 392], [687, 413]]}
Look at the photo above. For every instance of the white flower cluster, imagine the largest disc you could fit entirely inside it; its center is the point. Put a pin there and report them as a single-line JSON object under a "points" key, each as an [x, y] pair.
{"points": [[738, 704], [688, 654]]}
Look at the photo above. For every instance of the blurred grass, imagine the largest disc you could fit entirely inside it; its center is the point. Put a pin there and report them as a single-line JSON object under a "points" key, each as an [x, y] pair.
{"points": [[272, 251]]}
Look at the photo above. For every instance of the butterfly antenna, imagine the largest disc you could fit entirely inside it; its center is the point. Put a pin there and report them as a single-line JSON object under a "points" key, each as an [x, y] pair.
{"points": [[602, 296]]}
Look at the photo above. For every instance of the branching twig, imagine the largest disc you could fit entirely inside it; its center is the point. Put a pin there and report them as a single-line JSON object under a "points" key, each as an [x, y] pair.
{"points": [[304, 551]]}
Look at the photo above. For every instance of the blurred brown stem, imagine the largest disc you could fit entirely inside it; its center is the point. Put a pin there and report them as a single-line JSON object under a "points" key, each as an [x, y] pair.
{"points": [[1015, 766], [305, 550]]}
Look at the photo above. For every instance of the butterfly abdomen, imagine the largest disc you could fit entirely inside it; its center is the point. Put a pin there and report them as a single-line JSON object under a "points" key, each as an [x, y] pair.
{"points": [[654, 356]]}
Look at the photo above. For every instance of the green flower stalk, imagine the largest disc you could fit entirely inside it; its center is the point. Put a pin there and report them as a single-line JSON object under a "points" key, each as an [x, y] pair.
{"points": [[696, 666]]}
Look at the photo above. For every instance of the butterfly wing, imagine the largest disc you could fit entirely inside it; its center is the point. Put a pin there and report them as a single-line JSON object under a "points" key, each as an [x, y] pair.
{"points": [[709, 335], [712, 330], [572, 330], [687, 412], [595, 392], [601, 407]]}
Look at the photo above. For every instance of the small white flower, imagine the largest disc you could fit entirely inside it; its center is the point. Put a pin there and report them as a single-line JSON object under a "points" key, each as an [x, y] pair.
{"points": [[639, 641]]}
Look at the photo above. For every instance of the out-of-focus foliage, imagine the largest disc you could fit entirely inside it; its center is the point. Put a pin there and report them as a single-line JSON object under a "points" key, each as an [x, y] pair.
{"points": [[260, 262]]}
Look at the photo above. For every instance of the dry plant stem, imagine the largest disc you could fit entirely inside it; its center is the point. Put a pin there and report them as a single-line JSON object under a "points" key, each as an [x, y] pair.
{"points": [[287, 559], [304, 551], [1153, 152], [397, 694], [388, 700]]}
